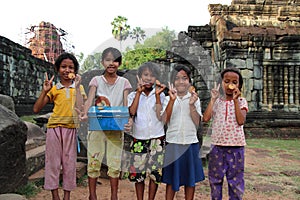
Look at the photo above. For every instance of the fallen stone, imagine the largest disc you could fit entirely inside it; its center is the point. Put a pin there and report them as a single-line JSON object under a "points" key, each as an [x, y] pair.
{"points": [[11, 197]]}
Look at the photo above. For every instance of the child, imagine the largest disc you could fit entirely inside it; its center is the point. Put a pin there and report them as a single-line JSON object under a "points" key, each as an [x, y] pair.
{"points": [[182, 113], [61, 140], [147, 147], [227, 154], [115, 89]]}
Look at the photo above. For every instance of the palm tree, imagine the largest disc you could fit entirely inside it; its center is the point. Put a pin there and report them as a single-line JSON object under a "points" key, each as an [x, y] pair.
{"points": [[120, 29], [138, 34]]}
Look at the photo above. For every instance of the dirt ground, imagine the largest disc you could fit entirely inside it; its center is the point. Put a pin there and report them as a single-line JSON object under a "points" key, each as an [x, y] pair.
{"points": [[267, 178]]}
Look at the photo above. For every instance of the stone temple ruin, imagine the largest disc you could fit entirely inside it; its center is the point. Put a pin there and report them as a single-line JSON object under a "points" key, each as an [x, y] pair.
{"points": [[262, 39], [46, 42]]}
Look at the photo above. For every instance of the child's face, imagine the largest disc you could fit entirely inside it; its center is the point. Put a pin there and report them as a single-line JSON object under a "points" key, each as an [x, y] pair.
{"points": [[109, 64], [230, 82], [148, 78], [66, 67], [182, 83]]}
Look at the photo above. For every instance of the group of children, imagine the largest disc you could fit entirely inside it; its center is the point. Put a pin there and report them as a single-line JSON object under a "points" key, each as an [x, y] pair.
{"points": [[164, 145]]}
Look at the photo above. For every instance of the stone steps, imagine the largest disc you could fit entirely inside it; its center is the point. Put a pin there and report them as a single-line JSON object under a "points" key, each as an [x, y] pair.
{"points": [[35, 154], [35, 159], [38, 177]]}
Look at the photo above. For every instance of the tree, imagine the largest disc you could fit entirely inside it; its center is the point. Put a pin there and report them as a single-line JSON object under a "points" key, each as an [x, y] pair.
{"points": [[134, 58], [138, 34], [91, 62], [120, 29], [161, 40], [153, 48]]}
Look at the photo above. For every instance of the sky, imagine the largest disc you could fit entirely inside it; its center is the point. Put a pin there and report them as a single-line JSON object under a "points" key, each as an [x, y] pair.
{"points": [[88, 23]]}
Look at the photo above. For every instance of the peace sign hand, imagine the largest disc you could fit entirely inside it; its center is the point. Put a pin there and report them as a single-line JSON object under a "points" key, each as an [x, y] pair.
{"points": [[140, 84], [215, 91], [47, 85], [172, 92]]}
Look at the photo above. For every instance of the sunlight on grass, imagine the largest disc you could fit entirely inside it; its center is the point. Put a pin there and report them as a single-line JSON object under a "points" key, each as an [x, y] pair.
{"points": [[28, 118], [289, 147]]}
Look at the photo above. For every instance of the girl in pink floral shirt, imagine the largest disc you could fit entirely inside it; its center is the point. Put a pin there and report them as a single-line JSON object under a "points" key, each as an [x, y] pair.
{"points": [[228, 113]]}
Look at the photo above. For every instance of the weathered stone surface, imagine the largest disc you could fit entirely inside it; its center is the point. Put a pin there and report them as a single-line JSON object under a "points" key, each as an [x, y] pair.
{"points": [[8, 102], [21, 75], [11, 197], [13, 135]]}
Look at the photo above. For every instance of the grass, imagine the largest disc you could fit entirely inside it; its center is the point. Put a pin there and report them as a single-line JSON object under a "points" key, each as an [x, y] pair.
{"points": [[28, 118], [29, 190], [277, 146]]}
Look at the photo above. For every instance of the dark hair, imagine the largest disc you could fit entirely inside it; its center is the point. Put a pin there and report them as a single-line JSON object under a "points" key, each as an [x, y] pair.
{"points": [[177, 69], [115, 52], [152, 67], [235, 70], [64, 56]]}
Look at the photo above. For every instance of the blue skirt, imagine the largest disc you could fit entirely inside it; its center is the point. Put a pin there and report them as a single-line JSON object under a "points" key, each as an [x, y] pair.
{"points": [[182, 165]]}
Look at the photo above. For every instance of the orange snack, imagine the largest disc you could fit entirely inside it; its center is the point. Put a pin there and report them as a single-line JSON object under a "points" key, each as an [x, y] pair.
{"points": [[231, 86], [192, 89], [71, 75]]}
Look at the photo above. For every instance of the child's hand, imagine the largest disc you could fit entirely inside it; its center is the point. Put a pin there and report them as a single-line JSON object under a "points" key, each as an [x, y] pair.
{"points": [[193, 98], [77, 80], [172, 92], [128, 126], [236, 93], [159, 88], [215, 92], [140, 84], [47, 83], [83, 117], [80, 113]]}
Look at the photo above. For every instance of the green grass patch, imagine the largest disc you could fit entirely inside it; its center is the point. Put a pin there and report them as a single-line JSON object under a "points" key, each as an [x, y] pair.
{"points": [[29, 190], [28, 118], [277, 146]]}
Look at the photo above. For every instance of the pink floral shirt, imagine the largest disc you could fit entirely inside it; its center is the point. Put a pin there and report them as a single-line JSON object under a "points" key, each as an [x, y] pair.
{"points": [[225, 129]]}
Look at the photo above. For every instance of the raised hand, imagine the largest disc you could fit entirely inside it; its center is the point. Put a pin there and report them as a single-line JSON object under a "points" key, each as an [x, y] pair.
{"points": [[215, 93], [140, 84], [159, 88], [236, 93], [194, 97], [172, 91], [77, 80], [47, 85]]}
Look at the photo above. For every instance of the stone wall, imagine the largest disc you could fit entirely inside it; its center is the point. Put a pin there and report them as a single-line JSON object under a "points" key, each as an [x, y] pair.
{"points": [[262, 39], [21, 75]]}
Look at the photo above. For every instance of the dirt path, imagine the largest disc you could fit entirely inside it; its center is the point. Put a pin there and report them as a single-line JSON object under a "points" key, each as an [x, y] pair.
{"points": [[267, 178]]}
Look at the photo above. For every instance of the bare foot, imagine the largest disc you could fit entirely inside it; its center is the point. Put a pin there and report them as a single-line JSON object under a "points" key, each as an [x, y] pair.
{"points": [[93, 197]]}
